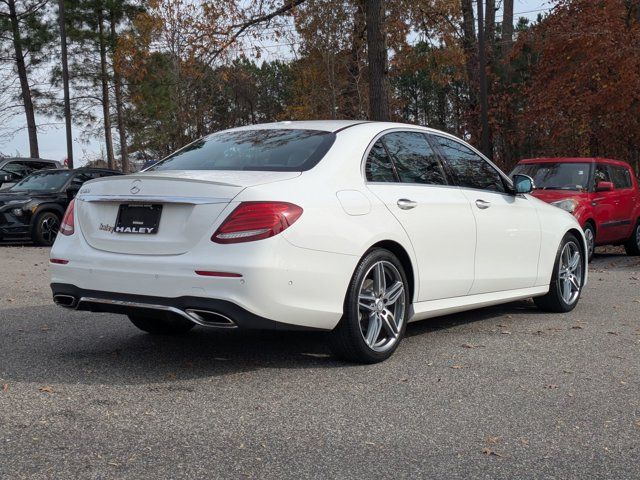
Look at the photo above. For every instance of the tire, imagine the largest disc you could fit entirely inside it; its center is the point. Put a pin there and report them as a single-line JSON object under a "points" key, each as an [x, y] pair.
{"points": [[372, 307], [567, 266], [45, 228], [632, 246], [162, 326], [590, 235]]}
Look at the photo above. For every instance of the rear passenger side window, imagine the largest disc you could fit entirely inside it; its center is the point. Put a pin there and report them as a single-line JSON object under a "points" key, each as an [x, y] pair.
{"points": [[378, 167], [470, 169], [414, 159], [621, 177]]}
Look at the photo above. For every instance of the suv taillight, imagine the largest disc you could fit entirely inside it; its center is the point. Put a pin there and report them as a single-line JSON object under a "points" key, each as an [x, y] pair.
{"points": [[67, 227], [256, 220]]}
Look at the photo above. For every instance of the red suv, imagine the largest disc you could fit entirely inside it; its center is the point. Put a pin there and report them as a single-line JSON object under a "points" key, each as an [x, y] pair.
{"points": [[602, 194]]}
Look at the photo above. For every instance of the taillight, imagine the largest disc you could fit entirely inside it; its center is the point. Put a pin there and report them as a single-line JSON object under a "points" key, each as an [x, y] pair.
{"points": [[256, 220], [67, 227]]}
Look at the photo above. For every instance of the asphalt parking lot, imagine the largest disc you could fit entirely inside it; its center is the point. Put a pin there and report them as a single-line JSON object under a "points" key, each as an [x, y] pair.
{"points": [[503, 392]]}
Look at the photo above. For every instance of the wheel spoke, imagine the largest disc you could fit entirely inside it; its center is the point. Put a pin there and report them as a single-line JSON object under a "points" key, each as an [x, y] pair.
{"points": [[575, 261], [389, 323], [366, 301], [574, 281], [373, 329], [379, 282], [566, 289], [393, 294]]}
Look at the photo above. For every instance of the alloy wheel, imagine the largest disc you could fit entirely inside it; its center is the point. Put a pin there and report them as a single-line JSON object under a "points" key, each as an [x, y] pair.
{"points": [[588, 233], [49, 228], [570, 273], [381, 306]]}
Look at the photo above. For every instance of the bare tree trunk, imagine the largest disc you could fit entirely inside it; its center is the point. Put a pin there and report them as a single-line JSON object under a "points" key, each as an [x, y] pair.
{"points": [[485, 146], [65, 82], [106, 110], [470, 47], [117, 80], [507, 24], [351, 95], [24, 81], [377, 55]]}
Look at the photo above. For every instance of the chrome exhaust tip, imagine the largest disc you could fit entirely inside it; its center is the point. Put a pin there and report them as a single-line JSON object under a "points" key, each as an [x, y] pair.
{"points": [[67, 301], [208, 318]]}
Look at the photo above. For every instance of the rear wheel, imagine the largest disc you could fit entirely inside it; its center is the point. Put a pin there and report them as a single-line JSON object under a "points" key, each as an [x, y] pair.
{"points": [[590, 236], [45, 228], [567, 280], [162, 326], [375, 311], [632, 246]]}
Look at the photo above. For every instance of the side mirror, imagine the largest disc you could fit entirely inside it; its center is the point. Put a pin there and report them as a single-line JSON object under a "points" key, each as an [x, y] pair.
{"points": [[5, 179], [522, 184], [72, 192], [604, 187]]}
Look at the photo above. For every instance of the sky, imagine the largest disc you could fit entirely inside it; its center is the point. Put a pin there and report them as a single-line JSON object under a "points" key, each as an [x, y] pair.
{"points": [[52, 141]]}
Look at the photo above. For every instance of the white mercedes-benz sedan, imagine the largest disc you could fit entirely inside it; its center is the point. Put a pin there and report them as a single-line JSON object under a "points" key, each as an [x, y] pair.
{"points": [[351, 227]]}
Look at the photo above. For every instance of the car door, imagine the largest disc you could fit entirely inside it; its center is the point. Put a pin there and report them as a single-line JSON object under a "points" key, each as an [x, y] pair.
{"points": [[508, 229], [403, 170], [624, 201], [604, 206]]}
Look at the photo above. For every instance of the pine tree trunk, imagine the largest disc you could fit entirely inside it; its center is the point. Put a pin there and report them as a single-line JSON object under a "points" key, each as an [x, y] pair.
{"points": [[65, 82], [507, 24], [117, 80], [469, 45], [106, 110], [24, 81], [377, 55], [485, 146]]}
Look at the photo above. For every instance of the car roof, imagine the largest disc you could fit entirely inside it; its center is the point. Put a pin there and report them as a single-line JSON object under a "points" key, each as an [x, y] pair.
{"points": [[322, 125], [573, 160], [25, 159]]}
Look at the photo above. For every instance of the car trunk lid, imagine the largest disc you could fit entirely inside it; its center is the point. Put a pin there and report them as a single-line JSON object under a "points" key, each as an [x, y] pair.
{"points": [[185, 203]]}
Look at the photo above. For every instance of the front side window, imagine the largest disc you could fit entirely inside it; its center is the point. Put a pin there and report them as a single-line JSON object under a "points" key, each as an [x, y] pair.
{"points": [[621, 177], [557, 176], [469, 168], [16, 169], [378, 167], [278, 150], [414, 159]]}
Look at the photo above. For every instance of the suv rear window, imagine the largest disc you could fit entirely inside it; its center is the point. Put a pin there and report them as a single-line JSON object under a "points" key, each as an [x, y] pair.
{"points": [[279, 150]]}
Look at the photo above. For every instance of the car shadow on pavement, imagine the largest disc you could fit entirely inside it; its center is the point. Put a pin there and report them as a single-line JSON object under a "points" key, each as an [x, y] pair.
{"points": [[50, 345]]}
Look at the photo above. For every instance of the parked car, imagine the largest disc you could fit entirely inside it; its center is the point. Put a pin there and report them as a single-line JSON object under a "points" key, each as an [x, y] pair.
{"points": [[351, 227], [602, 194], [33, 208], [13, 169]]}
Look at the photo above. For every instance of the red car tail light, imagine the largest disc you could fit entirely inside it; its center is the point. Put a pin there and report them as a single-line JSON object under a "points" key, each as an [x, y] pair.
{"points": [[256, 220], [67, 227]]}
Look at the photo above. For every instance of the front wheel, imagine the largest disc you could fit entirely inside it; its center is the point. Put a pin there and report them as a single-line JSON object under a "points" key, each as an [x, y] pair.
{"points": [[375, 311], [590, 236], [632, 246], [567, 279], [162, 326], [45, 229]]}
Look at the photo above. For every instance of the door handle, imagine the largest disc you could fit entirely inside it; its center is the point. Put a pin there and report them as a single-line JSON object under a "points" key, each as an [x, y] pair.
{"points": [[482, 204], [406, 204]]}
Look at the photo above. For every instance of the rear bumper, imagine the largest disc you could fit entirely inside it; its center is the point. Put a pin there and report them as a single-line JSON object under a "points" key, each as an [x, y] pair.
{"points": [[279, 282], [206, 312]]}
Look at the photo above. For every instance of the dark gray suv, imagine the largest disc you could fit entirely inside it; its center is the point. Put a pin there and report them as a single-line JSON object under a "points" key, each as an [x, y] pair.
{"points": [[13, 169]]}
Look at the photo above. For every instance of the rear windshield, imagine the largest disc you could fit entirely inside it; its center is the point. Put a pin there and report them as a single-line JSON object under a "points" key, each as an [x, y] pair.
{"points": [[262, 150], [557, 176]]}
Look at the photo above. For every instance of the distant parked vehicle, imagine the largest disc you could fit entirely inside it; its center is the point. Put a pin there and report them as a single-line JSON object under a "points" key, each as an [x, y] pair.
{"points": [[601, 193], [13, 169], [33, 208]]}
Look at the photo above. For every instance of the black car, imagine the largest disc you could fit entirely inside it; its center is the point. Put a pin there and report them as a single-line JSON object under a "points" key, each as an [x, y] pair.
{"points": [[34, 207]]}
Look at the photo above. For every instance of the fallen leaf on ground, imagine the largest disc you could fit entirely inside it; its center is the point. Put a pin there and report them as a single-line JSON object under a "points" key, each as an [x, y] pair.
{"points": [[613, 333], [551, 387], [505, 332], [46, 389], [493, 440], [489, 452], [470, 345], [577, 327], [5, 387], [456, 367]]}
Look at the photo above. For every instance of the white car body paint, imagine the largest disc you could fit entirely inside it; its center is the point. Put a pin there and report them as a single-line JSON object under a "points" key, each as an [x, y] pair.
{"points": [[461, 257]]}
